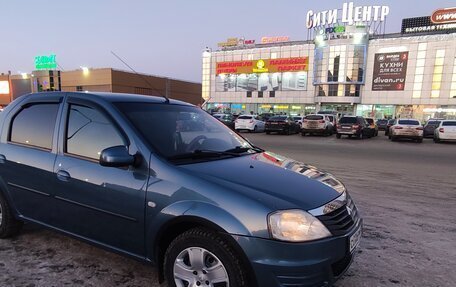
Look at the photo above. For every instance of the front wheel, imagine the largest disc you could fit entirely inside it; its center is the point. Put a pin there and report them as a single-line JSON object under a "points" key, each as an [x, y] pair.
{"points": [[200, 257], [9, 226]]}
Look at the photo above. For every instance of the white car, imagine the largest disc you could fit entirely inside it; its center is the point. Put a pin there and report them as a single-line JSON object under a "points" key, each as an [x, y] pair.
{"points": [[251, 123], [317, 124], [445, 131], [406, 128], [298, 120]]}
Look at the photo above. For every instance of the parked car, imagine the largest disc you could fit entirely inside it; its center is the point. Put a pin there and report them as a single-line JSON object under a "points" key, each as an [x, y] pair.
{"points": [[353, 126], [164, 182], [381, 124], [408, 129], [430, 127], [373, 126], [333, 120], [298, 120], [226, 119], [316, 124], [446, 131], [388, 126], [251, 123], [282, 125], [265, 116]]}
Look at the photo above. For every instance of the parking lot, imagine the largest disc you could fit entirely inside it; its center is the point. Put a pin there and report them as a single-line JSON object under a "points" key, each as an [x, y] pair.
{"points": [[406, 193]]}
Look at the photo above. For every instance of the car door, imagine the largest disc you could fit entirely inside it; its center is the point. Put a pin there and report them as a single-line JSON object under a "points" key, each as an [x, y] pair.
{"points": [[103, 204], [28, 152]]}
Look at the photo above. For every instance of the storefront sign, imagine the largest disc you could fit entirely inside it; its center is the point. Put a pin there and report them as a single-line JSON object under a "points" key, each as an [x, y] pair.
{"points": [[390, 71], [263, 66], [443, 16], [350, 15], [278, 39], [236, 42], [425, 25], [45, 62]]}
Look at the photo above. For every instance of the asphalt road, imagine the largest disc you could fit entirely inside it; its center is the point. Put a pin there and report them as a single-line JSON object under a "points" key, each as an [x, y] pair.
{"points": [[405, 191]]}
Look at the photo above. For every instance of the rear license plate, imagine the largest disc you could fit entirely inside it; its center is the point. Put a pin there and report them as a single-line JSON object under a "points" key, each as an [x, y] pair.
{"points": [[346, 128], [355, 239]]}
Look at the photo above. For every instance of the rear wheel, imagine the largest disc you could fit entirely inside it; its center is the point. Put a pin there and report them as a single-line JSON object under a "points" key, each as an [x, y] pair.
{"points": [[436, 139], [419, 140], [268, 132], [338, 136], [200, 257], [393, 138], [9, 226], [303, 134]]}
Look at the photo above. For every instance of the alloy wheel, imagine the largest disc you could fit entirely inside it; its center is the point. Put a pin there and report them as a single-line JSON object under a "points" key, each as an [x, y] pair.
{"points": [[196, 266]]}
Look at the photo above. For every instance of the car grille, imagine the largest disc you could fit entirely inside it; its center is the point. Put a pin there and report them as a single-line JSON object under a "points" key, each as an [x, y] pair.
{"points": [[340, 221]]}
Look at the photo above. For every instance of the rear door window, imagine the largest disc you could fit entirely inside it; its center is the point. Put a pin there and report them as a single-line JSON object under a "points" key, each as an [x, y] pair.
{"points": [[245, 117], [34, 125], [449, 124], [314, 117]]}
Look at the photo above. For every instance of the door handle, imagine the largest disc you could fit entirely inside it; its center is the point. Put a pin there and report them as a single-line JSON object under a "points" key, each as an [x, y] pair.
{"points": [[2, 158], [63, 175]]}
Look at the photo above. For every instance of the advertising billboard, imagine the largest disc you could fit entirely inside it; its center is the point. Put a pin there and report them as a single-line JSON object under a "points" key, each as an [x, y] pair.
{"points": [[390, 70], [263, 66], [435, 24]]}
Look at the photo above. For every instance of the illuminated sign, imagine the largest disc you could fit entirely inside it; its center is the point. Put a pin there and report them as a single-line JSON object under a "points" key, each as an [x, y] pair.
{"points": [[236, 42], [425, 25], [277, 39], [443, 16], [45, 62], [263, 66], [350, 15], [4, 88]]}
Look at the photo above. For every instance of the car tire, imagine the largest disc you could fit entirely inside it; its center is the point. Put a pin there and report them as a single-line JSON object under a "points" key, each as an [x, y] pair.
{"points": [[268, 133], [436, 139], [215, 252], [303, 134], [338, 136], [419, 140], [393, 138], [389, 136], [9, 225]]}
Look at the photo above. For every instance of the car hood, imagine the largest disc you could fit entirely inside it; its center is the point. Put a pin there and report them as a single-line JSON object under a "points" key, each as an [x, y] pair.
{"points": [[275, 180]]}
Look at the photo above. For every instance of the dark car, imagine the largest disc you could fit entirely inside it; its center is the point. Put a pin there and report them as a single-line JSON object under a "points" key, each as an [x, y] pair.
{"points": [[226, 119], [388, 126], [166, 183], [381, 124], [265, 116], [354, 126], [282, 125], [430, 127]]}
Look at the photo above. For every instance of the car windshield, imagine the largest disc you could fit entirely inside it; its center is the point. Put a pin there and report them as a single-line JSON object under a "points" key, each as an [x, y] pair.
{"points": [[433, 123], [409, 122], [348, 120], [449, 124], [331, 118], [245, 117], [176, 130], [382, 121], [297, 118], [314, 117]]}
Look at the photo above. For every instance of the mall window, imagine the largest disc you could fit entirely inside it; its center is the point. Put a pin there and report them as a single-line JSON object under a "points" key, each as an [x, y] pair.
{"points": [[453, 82], [79, 88], [271, 94], [419, 70], [438, 73], [249, 94], [260, 94]]}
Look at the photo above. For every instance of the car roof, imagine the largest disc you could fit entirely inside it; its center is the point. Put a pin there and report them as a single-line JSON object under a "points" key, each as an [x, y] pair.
{"points": [[113, 97]]}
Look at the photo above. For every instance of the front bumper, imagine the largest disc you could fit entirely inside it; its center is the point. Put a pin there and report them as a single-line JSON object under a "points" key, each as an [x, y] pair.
{"points": [[348, 132], [316, 130], [285, 264]]}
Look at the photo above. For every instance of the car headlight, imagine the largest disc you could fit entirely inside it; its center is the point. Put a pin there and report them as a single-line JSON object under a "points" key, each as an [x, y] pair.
{"points": [[296, 225]]}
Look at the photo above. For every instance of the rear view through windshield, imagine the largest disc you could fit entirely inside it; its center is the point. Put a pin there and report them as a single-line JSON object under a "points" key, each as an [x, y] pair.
{"points": [[449, 124], [348, 120], [409, 122], [313, 117], [245, 117]]}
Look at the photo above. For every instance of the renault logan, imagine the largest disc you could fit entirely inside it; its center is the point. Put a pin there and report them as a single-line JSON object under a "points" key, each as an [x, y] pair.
{"points": [[164, 182]]}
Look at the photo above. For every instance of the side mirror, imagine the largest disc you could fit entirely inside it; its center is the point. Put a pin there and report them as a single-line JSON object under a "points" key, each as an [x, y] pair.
{"points": [[116, 156]]}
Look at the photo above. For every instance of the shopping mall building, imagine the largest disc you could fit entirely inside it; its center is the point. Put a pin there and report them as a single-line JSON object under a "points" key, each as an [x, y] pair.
{"points": [[349, 66]]}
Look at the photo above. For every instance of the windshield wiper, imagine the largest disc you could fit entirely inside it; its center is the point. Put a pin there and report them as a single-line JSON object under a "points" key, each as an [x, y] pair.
{"points": [[198, 154], [240, 149]]}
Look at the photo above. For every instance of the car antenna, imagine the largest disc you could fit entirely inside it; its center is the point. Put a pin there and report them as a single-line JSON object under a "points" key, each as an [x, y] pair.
{"points": [[144, 78]]}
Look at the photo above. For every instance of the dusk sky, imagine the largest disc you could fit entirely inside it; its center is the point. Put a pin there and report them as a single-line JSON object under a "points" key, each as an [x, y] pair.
{"points": [[163, 38]]}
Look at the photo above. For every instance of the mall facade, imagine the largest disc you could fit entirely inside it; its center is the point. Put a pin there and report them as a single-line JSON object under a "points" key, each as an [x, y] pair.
{"points": [[347, 69]]}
